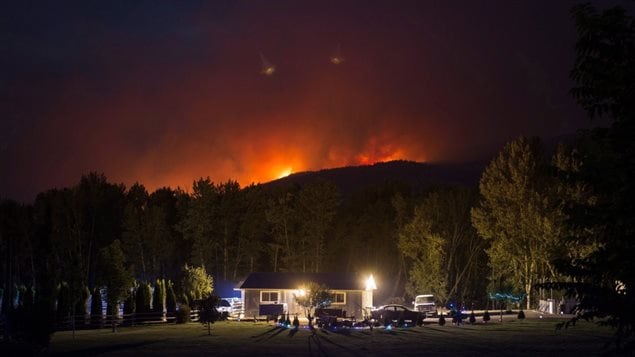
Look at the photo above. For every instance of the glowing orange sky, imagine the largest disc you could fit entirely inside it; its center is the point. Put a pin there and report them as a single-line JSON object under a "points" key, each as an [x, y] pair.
{"points": [[165, 94]]}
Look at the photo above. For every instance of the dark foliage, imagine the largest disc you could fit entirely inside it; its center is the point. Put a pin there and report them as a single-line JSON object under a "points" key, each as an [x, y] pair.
{"points": [[129, 305], [486, 316], [521, 315], [95, 308], [183, 314], [208, 313], [63, 302], [170, 298], [441, 320], [143, 298], [604, 158], [158, 296]]}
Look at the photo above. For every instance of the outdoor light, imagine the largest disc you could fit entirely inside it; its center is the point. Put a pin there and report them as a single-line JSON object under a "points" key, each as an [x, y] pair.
{"points": [[301, 292], [370, 283]]}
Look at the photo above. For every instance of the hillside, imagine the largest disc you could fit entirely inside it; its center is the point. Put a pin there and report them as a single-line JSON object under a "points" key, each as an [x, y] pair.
{"points": [[417, 175]]}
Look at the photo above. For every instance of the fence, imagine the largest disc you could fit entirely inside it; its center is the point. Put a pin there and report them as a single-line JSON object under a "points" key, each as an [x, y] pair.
{"points": [[133, 319]]}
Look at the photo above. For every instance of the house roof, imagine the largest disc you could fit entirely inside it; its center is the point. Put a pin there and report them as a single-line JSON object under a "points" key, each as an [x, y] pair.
{"points": [[335, 281]]}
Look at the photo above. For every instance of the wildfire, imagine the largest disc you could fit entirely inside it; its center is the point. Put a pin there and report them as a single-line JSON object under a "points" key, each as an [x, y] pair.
{"points": [[284, 173]]}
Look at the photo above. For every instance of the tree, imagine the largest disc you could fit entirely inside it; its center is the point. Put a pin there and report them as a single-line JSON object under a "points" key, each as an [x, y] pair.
{"points": [[170, 299], [158, 297], [366, 235], [444, 252], [424, 249], [311, 297], [134, 232], [519, 217], [317, 205], [196, 283], [96, 313], [143, 298], [598, 173], [199, 223], [280, 214], [114, 276], [209, 314]]}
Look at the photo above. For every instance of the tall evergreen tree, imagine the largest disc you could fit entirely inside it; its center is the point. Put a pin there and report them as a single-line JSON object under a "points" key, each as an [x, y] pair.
{"points": [[114, 276]]}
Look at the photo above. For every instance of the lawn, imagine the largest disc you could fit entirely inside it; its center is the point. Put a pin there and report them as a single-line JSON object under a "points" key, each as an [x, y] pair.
{"points": [[513, 337]]}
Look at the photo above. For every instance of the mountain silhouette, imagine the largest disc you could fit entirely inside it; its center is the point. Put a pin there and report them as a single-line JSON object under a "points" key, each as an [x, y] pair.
{"points": [[350, 179]]}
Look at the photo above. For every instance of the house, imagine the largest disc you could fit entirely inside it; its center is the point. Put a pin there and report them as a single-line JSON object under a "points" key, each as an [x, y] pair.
{"points": [[269, 293]]}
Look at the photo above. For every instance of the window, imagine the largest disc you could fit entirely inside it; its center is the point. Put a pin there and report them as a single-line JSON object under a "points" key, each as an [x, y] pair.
{"points": [[269, 296], [339, 297]]}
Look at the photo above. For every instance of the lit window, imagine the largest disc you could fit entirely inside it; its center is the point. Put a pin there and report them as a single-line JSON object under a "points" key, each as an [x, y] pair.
{"points": [[269, 296], [339, 297]]}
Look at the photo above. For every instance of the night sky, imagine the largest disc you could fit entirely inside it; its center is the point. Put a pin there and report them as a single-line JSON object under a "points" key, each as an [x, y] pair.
{"points": [[164, 92]]}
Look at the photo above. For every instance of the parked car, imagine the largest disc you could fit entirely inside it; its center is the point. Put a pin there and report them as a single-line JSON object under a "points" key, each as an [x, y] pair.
{"points": [[397, 314]]}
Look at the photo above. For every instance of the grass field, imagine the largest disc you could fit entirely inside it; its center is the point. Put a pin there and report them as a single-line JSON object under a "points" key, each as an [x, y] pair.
{"points": [[514, 337]]}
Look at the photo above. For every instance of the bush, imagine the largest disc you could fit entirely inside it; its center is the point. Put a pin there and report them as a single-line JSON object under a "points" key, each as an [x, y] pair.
{"points": [[441, 320], [486, 316], [183, 314], [521, 315], [296, 322], [472, 318], [129, 305], [209, 314], [170, 298], [158, 298], [63, 302], [82, 305], [144, 297], [95, 307]]}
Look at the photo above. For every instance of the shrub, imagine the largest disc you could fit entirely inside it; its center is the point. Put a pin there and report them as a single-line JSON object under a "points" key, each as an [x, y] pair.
{"points": [[63, 302], [183, 314], [209, 314], [197, 284], [521, 315], [170, 298], [441, 320], [486, 316], [296, 322], [95, 307], [158, 297], [144, 297], [82, 305], [472, 318], [129, 305], [28, 298]]}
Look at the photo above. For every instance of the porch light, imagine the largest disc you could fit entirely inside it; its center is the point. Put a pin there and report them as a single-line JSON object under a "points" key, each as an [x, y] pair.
{"points": [[370, 283]]}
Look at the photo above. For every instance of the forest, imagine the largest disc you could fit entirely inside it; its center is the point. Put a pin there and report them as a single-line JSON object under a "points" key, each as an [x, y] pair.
{"points": [[539, 218]]}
